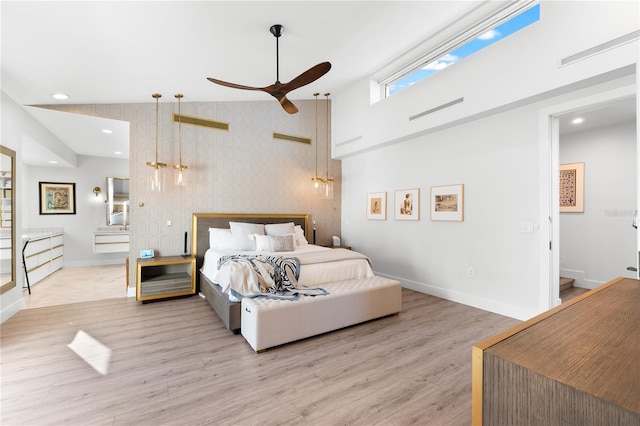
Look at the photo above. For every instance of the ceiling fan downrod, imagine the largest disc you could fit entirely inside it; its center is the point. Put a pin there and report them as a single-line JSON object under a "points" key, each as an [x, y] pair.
{"points": [[276, 30]]}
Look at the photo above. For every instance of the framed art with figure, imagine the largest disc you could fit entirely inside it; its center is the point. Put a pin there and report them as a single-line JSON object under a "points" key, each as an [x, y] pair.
{"points": [[57, 198], [407, 204], [377, 205]]}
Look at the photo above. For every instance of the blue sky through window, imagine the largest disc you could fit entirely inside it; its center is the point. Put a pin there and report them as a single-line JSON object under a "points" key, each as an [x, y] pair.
{"points": [[498, 33]]}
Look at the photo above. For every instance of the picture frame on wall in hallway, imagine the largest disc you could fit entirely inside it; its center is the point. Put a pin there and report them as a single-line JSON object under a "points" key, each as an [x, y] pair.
{"points": [[447, 203], [571, 188], [407, 204], [377, 205], [57, 198]]}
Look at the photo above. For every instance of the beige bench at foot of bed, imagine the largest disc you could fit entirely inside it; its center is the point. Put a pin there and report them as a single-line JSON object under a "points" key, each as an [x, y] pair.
{"points": [[267, 323]]}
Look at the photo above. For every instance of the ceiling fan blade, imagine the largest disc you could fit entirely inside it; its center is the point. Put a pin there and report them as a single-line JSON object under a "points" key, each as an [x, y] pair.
{"points": [[309, 76], [287, 105], [233, 85]]}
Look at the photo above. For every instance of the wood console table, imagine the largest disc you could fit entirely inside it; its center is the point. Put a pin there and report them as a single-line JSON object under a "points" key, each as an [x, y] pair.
{"points": [[577, 364]]}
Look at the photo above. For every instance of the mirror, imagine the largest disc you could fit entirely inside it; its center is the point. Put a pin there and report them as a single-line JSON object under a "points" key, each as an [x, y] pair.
{"points": [[7, 220], [117, 201]]}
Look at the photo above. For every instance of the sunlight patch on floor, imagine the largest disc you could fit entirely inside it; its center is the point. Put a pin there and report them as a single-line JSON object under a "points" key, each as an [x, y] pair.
{"points": [[91, 351]]}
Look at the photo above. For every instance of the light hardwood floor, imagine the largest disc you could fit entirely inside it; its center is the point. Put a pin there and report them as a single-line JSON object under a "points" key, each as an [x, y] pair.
{"points": [[74, 285], [173, 363]]}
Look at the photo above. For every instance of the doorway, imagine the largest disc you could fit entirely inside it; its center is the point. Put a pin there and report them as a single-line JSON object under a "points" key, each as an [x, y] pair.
{"points": [[551, 121]]}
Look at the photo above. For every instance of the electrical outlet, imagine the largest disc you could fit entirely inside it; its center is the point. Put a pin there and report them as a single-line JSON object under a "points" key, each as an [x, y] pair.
{"points": [[169, 222], [470, 272]]}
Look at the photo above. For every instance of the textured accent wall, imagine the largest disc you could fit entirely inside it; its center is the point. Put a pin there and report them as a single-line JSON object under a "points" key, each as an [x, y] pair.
{"points": [[243, 170]]}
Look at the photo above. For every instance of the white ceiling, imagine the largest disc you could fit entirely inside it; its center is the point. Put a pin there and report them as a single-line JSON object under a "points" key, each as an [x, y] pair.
{"points": [[120, 52], [599, 116]]}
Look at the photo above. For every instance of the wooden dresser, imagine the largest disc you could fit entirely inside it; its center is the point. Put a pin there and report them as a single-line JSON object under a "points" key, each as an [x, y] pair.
{"points": [[576, 364]]}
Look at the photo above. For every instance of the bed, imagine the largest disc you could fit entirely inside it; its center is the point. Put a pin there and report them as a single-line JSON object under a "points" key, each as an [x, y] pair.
{"points": [[350, 292]]}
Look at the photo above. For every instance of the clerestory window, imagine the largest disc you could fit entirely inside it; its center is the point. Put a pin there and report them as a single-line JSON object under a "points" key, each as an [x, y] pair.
{"points": [[430, 66]]}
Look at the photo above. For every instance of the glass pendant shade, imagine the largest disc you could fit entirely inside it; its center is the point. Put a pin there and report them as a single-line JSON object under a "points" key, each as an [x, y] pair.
{"points": [[180, 175], [155, 176], [317, 185], [327, 189], [155, 171]]}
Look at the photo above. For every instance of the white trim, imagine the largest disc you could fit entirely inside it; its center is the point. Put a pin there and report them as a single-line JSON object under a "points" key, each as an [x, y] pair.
{"points": [[509, 310], [9, 311]]}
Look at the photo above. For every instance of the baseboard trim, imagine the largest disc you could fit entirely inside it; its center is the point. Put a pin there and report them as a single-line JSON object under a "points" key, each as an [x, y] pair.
{"points": [[500, 308], [11, 310]]}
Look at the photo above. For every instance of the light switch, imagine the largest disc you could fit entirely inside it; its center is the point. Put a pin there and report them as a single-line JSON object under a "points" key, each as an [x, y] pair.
{"points": [[526, 227]]}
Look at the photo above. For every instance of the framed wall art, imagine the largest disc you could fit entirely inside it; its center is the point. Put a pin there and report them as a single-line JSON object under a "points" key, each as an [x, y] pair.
{"points": [[377, 205], [572, 188], [447, 203], [407, 206], [57, 198]]}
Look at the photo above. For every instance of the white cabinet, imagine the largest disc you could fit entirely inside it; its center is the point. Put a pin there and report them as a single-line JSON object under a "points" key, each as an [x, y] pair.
{"points": [[110, 242], [44, 254]]}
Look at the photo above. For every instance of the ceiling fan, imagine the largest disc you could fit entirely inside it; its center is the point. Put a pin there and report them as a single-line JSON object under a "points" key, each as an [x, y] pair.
{"points": [[279, 90]]}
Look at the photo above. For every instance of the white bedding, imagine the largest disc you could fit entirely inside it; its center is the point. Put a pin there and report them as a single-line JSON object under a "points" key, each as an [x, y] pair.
{"points": [[311, 275]]}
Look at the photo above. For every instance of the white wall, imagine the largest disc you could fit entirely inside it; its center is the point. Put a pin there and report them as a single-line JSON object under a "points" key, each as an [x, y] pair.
{"points": [[599, 244], [521, 68], [90, 210], [490, 143]]}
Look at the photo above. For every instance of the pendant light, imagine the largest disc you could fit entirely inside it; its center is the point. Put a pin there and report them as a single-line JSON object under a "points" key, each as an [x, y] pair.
{"points": [[327, 192], [155, 173], [179, 168], [317, 182]]}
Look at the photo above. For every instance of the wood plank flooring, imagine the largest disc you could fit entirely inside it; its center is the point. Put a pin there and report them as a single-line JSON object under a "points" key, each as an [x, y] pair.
{"points": [[173, 363], [81, 284]]}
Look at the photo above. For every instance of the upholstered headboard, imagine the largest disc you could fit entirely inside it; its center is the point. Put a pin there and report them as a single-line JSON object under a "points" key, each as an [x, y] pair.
{"points": [[201, 222]]}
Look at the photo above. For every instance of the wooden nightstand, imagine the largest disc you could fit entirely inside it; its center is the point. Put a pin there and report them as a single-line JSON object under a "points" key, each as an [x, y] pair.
{"points": [[165, 276]]}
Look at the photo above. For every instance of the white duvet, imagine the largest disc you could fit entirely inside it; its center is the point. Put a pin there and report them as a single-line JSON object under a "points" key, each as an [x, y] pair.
{"points": [[348, 265]]}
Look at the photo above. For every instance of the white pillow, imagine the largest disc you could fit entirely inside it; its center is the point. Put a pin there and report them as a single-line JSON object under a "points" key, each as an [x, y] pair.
{"points": [[243, 233], [282, 242], [279, 228], [300, 238], [262, 242], [221, 239]]}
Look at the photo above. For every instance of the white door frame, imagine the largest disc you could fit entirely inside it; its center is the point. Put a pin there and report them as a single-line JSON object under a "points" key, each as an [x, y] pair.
{"points": [[549, 164]]}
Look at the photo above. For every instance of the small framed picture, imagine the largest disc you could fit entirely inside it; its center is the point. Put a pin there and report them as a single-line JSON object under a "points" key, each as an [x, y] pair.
{"points": [[57, 198], [377, 205], [407, 205], [572, 188], [447, 203]]}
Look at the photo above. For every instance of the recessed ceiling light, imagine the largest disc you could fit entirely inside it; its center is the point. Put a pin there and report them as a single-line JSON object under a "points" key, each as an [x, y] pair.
{"points": [[60, 96], [107, 131], [53, 162], [118, 153], [577, 120]]}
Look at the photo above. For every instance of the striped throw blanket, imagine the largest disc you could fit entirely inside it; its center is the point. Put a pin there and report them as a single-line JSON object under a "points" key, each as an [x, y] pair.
{"points": [[272, 277]]}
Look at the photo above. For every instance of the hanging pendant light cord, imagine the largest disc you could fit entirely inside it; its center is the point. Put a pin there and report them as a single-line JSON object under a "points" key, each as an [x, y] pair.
{"points": [[157, 96], [316, 141], [179, 96], [327, 97]]}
